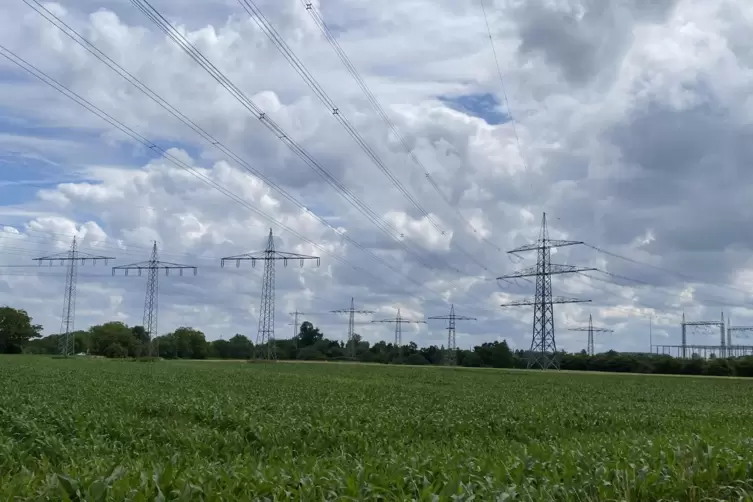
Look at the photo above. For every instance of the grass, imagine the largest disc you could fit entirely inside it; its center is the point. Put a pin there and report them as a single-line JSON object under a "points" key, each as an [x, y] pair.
{"points": [[102, 430]]}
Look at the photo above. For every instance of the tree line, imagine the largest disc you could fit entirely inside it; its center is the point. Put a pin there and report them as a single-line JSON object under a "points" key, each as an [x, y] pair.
{"points": [[115, 340]]}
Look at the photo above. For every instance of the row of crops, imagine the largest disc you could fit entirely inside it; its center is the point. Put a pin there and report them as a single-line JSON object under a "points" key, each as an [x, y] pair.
{"points": [[104, 430]]}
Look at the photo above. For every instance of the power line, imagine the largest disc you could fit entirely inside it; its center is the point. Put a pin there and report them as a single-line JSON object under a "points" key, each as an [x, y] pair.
{"points": [[175, 35], [502, 85], [377, 106], [661, 269], [75, 36], [314, 85], [23, 64]]}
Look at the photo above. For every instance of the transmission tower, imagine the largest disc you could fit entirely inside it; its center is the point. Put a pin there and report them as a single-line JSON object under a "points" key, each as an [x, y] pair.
{"points": [[153, 267], [591, 330], [451, 354], [266, 333], [295, 325], [736, 350], [351, 324], [67, 342], [543, 352], [399, 321]]}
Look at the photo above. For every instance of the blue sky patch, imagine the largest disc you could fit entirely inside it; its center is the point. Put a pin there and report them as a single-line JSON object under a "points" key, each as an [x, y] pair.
{"points": [[482, 105]]}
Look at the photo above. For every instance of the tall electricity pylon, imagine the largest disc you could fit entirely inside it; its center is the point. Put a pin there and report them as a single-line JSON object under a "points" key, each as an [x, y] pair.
{"points": [[591, 330], [266, 333], [543, 352], [351, 324], [399, 321], [295, 325], [151, 301], [450, 357], [67, 342]]}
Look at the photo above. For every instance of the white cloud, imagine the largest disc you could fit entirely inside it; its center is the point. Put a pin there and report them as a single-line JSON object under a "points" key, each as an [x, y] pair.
{"points": [[631, 133]]}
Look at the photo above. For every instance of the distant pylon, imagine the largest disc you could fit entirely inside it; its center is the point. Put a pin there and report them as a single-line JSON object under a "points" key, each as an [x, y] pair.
{"points": [[265, 336], [151, 300], [450, 357], [67, 342], [543, 352], [591, 330], [351, 324], [399, 321]]}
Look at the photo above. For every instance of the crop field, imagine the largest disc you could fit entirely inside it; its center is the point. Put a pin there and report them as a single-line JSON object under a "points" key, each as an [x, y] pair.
{"points": [[103, 430]]}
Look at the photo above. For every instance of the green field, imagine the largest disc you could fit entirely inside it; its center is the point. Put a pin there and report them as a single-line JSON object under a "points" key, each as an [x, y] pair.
{"points": [[104, 430]]}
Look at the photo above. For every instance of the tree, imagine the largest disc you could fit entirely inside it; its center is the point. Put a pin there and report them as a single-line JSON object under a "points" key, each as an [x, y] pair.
{"points": [[16, 330], [117, 333], [308, 335]]}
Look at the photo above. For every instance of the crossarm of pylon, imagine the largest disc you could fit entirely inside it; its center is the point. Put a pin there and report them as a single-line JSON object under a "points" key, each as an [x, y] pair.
{"points": [[348, 311], [268, 256], [457, 318], [740, 328], [550, 243], [532, 301], [595, 330], [66, 256], [703, 323], [403, 321], [554, 269], [159, 265]]}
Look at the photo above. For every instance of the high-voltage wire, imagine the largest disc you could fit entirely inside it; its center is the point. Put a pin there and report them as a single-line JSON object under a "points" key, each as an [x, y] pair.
{"points": [[543, 351], [502, 84], [379, 109], [153, 266], [67, 343], [388, 229], [143, 88], [314, 85], [450, 356], [656, 267], [83, 42], [265, 337], [590, 329], [40, 75]]}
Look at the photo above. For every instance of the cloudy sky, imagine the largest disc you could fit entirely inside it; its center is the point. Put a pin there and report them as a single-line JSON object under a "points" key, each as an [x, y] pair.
{"points": [[628, 122]]}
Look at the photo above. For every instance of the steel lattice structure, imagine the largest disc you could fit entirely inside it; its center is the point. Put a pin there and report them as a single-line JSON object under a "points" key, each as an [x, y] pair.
{"points": [[67, 343], [450, 356], [399, 321], [543, 352], [265, 336], [352, 324], [591, 330], [151, 300], [722, 347]]}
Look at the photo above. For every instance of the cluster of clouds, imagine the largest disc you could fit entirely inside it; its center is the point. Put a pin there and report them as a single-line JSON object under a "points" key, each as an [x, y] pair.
{"points": [[631, 130]]}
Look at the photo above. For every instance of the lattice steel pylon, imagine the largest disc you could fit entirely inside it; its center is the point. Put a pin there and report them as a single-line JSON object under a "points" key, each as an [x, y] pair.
{"points": [[67, 342], [352, 324], [591, 330], [151, 300], [543, 352], [399, 321], [450, 356], [265, 337]]}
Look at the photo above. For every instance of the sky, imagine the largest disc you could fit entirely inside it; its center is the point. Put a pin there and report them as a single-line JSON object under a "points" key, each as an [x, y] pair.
{"points": [[628, 123]]}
